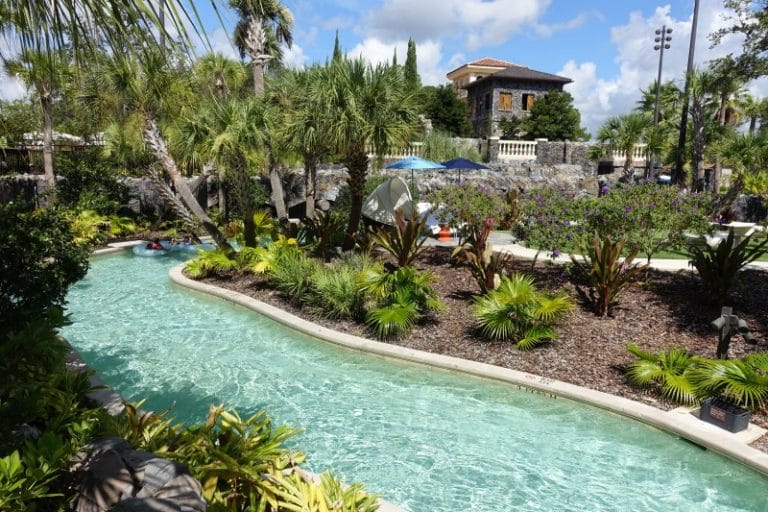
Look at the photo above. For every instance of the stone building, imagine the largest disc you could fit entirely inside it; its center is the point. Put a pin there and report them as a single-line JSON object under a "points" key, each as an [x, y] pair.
{"points": [[506, 92]]}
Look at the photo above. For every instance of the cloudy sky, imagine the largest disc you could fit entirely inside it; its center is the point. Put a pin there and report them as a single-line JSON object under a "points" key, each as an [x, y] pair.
{"points": [[604, 46]]}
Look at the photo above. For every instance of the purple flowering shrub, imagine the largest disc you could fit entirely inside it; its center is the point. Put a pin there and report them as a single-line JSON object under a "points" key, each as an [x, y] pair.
{"points": [[552, 221], [467, 206]]}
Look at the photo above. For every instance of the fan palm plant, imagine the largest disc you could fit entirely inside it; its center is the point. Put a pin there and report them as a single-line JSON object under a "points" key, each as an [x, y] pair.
{"points": [[744, 381], [668, 369], [623, 133], [516, 310]]}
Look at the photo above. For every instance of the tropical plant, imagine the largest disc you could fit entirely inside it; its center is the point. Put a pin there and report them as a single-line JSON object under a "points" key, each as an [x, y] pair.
{"points": [[516, 310], [209, 263], [260, 260], [218, 74], [623, 133], [485, 264], [334, 291], [324, 233], [668, 369], [406, 241], [292, 275], [743, 381], [397, 299], [301, 493], [718, 266], [447, 111], [367, 107], [607, 274], [467, 206]]}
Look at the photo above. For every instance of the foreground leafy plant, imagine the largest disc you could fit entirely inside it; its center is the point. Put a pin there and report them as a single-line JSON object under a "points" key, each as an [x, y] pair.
{"points": [[210, 263], [398, 299], [486, 266], [743, 381], [668, 369], [606, 273], [406, 241], [328, 495], [516, 310], [718, 266]]}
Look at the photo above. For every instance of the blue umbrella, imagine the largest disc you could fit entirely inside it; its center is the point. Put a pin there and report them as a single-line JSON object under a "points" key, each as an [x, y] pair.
{"points": [[462, 163], [414, 162]]}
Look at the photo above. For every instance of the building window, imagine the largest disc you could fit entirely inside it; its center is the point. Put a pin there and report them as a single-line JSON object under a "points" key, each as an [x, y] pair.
{"points": [[505, 101], [487, 105], [528, 100]]}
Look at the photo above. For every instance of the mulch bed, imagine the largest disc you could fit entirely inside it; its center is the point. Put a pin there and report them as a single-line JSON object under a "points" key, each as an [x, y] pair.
{"points": [[665, 309]]}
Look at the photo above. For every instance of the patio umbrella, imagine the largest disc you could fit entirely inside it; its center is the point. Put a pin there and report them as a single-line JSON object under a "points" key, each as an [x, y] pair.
{"points": [[414, 162], [462, 163]]}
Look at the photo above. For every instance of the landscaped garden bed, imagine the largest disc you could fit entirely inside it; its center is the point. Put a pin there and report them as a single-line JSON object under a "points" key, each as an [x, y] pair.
{"points": [[663, 310]]}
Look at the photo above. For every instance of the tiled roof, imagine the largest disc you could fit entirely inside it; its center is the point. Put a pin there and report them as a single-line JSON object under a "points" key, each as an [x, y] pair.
{"points": [[491, 62], [523, 73]]}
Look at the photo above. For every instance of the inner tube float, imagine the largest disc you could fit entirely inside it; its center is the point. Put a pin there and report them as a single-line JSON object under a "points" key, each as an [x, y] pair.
{"points": [[141, 250], [186, 247]]}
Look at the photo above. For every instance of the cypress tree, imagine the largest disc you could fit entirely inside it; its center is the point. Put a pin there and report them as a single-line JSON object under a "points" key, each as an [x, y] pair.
{"points": [[412, 80], [337, 56], [394, 59]]}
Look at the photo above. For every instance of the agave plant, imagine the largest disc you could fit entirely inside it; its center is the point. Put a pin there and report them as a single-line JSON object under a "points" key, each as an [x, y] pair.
{"points": [[516, 310], [606, 272], [718, 266], [406, 241], [670, 370], [743, 381], [397, 299]]}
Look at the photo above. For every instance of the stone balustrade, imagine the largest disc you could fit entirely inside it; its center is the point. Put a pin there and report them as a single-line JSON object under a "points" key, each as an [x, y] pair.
{"points": [[510, 150], [638, 155]]}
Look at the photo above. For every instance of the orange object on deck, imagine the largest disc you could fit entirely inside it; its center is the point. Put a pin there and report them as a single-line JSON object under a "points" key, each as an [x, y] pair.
{"points": [[445, 234]]}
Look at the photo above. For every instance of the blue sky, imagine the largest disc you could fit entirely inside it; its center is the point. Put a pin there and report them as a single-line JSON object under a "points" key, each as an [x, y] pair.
{"points": [[605, 47]]}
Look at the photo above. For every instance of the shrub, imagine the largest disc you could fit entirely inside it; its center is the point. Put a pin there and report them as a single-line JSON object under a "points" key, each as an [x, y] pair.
{"points": [[718, 266], [742, 381], [90, 182], [552, 221], [292, 274], [406, 240], [467, 206], [210, 263], [485, 265], [324, 233], [606, 273], [397, 299], [667, 369], [334, 291], [517, 311]]}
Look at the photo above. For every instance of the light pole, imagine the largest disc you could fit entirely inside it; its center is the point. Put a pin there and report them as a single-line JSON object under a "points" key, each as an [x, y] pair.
{"points": [[662, 40]]}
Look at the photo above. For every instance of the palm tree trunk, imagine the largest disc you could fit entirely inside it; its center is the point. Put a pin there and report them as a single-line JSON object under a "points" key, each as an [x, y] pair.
{"points": [[276, 185], [159, 148], [717, 174], [46, 104], [357, 167], [310, 187], [258, 77]]}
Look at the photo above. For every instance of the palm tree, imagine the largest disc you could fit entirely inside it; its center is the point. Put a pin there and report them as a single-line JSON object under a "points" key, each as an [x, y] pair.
{"points": [[366, 106], [746, 153], [623, 133], [142, 90], [755, 109], [669, 370], [46, 73], [724, 82], [261, 24], [670, 98], [219, 75]]}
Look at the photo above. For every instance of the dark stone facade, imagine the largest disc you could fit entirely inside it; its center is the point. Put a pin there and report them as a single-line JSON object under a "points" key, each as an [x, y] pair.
{"points": [[483, 101]]}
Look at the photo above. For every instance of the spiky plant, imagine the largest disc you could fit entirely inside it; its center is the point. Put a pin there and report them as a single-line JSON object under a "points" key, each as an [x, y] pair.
{"points": [[516, 310], [668, 369], [607, 273], [718, 266], [260, 260], [744, 381], [406, 241], [301, 493], [334, 291], [292, 275]]}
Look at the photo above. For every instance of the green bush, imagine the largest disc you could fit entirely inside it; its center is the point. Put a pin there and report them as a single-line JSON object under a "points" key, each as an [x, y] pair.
{"points": [[667, 369], [292, 275], [396, 300], [515, 310], [467, 207], [607, 274], [324, 233], [718, 266], [90, 183], [486, 266], [334, 291]]}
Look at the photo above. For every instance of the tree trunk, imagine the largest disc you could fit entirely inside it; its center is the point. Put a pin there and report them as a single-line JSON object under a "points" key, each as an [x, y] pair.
{"points": [[310, 187], [159, 149], [717, 173], [357, 167], [46, 103], [258, 77], [276, 185]]}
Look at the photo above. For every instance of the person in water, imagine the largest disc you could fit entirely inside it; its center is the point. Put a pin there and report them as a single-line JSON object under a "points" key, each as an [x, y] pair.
{"points": [[154, 245]]}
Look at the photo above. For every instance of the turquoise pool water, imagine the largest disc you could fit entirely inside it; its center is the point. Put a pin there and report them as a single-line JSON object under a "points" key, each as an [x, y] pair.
{"points": [[427, 440]]}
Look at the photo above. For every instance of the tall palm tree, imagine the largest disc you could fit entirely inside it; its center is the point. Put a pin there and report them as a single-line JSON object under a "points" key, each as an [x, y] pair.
{"points": [[366, 105], [261, 24], [45, 73], [746, 153], [725, 83], [305, 126], [623, 133], [670, 99], [142, 90], [754, 109]]}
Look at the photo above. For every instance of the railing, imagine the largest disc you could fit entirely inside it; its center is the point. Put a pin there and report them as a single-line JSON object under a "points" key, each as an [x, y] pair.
{"points": [[517, 150], [415, 149], [638, 155]]}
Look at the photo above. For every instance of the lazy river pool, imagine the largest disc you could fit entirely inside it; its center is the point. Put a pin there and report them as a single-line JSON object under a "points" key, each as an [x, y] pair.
{"points": [[426, 440]]}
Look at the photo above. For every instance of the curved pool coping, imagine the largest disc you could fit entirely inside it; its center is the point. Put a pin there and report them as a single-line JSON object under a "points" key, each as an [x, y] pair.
{"points": [[680, 422]]}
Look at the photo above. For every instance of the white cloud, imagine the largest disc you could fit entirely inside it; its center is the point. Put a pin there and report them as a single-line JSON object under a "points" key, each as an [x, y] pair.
{"points": [[11, 88], [428, 56], [221, 43], [294, 57], [481, 22], [598, 97]]}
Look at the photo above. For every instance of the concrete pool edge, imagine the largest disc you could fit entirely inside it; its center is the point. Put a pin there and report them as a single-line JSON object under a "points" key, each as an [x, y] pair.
{"points": [[678, 421]]}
